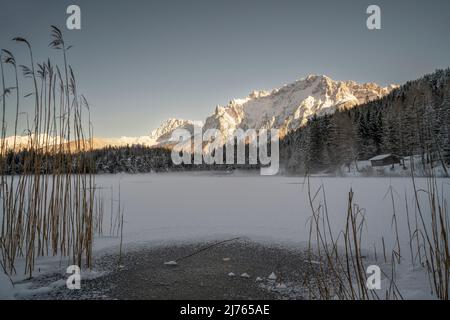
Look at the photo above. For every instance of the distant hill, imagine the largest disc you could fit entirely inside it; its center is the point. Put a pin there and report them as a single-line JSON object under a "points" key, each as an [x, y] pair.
{"points": [[413, 119]]}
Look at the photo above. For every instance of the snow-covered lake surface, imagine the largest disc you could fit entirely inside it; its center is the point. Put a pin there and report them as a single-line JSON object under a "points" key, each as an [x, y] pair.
{"points": [[167, 207]]}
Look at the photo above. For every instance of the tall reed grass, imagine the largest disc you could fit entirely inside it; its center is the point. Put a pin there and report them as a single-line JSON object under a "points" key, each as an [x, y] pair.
{"points": [[430, 236], [46, 210], [338, 261]]}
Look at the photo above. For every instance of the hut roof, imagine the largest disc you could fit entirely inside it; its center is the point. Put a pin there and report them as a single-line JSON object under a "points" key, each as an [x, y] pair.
{"points": [[381, 157]]}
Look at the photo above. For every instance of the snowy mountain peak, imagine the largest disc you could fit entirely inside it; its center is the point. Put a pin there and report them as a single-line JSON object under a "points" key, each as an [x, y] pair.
{"points": [[290, 106], [168, 126]]}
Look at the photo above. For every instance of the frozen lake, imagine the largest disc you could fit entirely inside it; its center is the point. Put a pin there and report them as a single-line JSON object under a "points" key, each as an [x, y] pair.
{"points": [[174, 207], [189, 206]]}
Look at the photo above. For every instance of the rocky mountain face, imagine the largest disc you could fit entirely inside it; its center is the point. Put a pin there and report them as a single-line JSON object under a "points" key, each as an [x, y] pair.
{"points": [[289, 107], [164, 132]]}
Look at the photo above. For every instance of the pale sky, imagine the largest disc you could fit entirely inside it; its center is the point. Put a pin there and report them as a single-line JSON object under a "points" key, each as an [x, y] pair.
{"points": [[141, 62]]}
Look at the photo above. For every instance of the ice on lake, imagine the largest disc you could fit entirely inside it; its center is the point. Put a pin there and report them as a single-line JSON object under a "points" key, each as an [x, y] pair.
{"points": [[181, 206]]}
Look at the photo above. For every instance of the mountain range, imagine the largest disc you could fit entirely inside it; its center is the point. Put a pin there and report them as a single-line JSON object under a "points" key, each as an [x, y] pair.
{"points": [[286, 108]]}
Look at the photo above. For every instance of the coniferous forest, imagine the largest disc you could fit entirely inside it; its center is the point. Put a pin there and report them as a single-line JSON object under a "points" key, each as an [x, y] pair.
{"points": [[412, 120]]}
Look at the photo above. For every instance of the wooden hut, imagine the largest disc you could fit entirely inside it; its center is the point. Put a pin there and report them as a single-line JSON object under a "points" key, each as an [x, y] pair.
{"points": [[385, 160]]}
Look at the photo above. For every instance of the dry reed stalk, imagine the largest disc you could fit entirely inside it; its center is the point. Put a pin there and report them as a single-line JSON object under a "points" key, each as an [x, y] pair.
{"points": [[339, 269], [47, 208]]}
